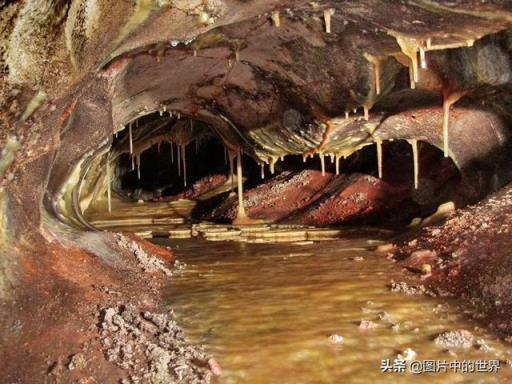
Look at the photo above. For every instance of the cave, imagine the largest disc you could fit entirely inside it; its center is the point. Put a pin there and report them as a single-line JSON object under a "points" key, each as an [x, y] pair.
{"points": [[232, 191]]}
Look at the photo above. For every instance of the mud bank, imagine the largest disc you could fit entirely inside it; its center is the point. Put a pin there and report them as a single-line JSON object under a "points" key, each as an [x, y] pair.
{"points": [[79, 317], [468, 256], [308, 197]]}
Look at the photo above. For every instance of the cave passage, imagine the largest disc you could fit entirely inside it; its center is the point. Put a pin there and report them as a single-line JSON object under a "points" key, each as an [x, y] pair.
{"points": [[160, 158]]}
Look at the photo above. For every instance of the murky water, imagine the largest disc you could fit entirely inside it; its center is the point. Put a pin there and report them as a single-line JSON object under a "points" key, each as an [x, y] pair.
{"points": [[266, 311]]}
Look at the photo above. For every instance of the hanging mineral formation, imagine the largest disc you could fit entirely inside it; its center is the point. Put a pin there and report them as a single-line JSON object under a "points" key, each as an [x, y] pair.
{"points": [[272, 165], [327, 18], [409, 48], [130, 137], [423, 59], [377, 64], [337, 164], [322, 163], [378, 143], [276, 19], [241, 208], [262, 170], [138, 166], [414, 144]]}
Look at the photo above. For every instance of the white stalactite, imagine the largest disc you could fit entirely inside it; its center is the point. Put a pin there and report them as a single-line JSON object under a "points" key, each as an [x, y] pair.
{"points": [[272, 165], [423, 59], [337, 164], [378, 143], [327, 19], [130, 137], [262, 170], [322, 163], [346, 114], [276, 19], [241, 208], [414, 144]]}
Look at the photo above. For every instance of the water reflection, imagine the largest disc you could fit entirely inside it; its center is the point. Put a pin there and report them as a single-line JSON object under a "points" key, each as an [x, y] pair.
{"points": [[265, 311]]}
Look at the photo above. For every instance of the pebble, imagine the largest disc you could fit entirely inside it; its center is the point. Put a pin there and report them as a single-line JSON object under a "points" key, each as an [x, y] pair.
{"points": [[336, 339], [455, 339], [407, 354], [367, 324]]}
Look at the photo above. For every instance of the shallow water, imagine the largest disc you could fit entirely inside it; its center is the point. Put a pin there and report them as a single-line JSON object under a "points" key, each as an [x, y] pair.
{"points": [[266, 311]]}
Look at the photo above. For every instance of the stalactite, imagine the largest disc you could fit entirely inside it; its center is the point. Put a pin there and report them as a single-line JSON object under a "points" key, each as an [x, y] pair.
{"points": [[276, 19], [354, 111], [423, 59], [409, 48], [272, 165], [130, 138], [109, 186], [322, 163], [327, 19], [184, 161], [378, 144], [133, 163], [304, 158], [179, 115], [138, 166], [262, 170], [337, 164], [376, 62], [282, 158], [366, 112], [172, 152], [241, 208], [346, 114], [237, 55], [414, 144]]}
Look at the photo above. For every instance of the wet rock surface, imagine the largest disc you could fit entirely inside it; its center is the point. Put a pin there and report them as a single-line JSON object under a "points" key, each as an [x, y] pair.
{"points": [[473, 261], [455, 339], [151, 347]]}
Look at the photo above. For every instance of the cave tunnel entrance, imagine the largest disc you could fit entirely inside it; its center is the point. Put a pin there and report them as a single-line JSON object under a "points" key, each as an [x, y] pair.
{"points": [[170, 158]]}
